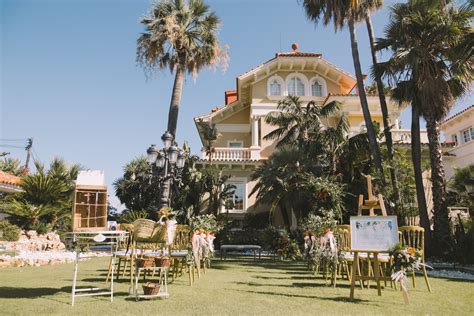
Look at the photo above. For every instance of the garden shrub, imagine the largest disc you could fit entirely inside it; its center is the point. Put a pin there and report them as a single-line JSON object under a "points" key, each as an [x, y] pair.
{"points": [[464, 251], [41, 228], [9, 232]]}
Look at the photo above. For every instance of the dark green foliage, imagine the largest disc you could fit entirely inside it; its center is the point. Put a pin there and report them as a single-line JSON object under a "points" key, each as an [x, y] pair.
{"points": [[139, 188], [9, 232], [464, 251], [457, 192], [46, 197], [41, 228], [129, 216]]}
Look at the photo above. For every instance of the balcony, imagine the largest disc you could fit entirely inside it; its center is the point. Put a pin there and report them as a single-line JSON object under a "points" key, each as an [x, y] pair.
{"points": [[228, 154], [403, 136]]}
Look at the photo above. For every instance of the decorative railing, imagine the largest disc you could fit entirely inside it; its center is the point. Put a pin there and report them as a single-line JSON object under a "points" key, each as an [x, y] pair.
{"points": [[404, 136], [228, 154]]}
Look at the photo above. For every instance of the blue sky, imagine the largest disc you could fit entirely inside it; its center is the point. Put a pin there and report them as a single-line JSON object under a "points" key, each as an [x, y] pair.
{"points": [[70, 81]]}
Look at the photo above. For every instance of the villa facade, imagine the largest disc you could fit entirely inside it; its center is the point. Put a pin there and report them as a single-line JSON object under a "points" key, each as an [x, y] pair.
{"points": [[459, 130], [240, 121]]}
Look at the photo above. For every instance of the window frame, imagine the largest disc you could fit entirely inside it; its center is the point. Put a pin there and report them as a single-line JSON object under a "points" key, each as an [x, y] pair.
{"points": [[322, 83], [234, 181], [303, 79], [469, 132], [282, 86]]}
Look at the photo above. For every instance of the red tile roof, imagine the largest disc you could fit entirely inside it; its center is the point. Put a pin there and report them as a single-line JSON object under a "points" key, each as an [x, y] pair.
{"points": [[10, 179], [297, 54]]}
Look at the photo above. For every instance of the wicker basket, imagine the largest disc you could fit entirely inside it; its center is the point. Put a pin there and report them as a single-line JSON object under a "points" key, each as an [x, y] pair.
{"points": [[143, 229], [164, 262], [145, 262], [159, 233], [150, 288]]}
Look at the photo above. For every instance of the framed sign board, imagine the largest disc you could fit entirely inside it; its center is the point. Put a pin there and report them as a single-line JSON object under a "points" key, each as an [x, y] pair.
{"points": [[373, 233]]}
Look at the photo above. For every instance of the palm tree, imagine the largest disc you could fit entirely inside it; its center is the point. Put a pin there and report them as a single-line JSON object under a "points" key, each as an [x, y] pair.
{"points": [[297, 123], [432, 47], [342, 13], [405, 92], [24, 212], [209, 134], [381, 91], [182, 36]]}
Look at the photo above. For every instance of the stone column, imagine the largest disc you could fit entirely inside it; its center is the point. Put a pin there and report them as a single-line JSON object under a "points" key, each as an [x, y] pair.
{"points": [[255, 148]]}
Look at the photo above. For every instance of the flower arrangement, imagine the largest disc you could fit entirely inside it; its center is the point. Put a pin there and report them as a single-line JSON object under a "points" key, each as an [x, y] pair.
{"points": [[205, 222], [285, 247], [318, 224], [405, 259]]}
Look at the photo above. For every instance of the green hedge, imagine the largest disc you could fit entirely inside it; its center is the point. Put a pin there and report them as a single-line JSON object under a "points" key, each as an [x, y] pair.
{"points": [[9, 232]]}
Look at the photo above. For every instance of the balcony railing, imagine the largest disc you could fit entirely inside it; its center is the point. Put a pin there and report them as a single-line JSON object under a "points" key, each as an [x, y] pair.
{"points": [[404, 136], [228, 154]]}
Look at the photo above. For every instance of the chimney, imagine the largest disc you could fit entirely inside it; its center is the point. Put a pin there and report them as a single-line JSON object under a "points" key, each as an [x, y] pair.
{"points": [[230, 96]]}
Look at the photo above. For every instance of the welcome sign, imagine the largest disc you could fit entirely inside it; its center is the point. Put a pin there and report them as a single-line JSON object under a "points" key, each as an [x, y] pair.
{"points": [[373, 233]]}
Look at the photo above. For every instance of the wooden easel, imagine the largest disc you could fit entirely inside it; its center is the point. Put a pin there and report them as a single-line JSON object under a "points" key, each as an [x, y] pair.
{"points": [[372, 203]]}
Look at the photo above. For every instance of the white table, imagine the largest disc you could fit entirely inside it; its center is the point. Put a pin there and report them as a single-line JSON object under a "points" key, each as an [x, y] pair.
{"points": [[88, 238]]}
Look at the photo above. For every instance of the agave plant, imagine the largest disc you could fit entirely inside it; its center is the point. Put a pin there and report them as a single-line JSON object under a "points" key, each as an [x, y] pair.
{"points": [[26, 213]]}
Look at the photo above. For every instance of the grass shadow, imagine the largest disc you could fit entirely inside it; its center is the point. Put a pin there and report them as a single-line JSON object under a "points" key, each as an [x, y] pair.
{"points": [[24, 292], [270, 278], [334, 299]]}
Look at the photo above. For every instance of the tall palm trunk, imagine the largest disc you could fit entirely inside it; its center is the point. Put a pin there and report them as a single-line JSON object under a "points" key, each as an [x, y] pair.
{"points": [[383, 107], [285, 215], [442, 232], [175, 100], [363, 101], [172, 123], [416, 159]]}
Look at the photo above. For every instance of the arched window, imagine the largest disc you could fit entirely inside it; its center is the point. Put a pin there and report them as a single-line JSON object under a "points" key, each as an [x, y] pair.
{"points": [[318, 87], [295, 87], [275, 86]]}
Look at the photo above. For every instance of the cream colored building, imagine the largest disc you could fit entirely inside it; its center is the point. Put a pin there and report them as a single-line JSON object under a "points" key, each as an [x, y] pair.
{"points": [[459, 130], [242, 127]]}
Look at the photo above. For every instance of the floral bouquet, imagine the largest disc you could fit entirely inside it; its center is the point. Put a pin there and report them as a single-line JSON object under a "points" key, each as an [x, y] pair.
{"points": [[405, 259]]}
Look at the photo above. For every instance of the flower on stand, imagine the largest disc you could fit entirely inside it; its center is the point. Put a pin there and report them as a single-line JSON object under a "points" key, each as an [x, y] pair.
{"points": [[404, 259]]}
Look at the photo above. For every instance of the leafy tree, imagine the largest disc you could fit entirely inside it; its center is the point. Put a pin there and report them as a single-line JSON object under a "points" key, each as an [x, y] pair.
{"points": [[459, 196], [182, 36], [432, 48], [342, 13], [287, 182], [138, 189]]}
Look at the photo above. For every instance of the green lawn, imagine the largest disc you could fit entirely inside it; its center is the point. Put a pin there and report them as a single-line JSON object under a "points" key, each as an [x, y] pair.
{"points": [[231, 287]]}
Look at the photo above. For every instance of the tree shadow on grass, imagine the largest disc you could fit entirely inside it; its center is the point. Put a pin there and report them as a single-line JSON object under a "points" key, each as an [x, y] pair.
{"points": [[334, 299], [24, 292], [270, 278], [447, 279], [295, 285]]}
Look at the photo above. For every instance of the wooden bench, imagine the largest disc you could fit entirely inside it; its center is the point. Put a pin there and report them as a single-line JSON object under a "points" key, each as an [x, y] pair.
{"points": [[254, 248]]}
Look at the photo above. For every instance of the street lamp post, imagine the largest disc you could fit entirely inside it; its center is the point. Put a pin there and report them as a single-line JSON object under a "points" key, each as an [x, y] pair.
{"points": [[170, 162]]}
